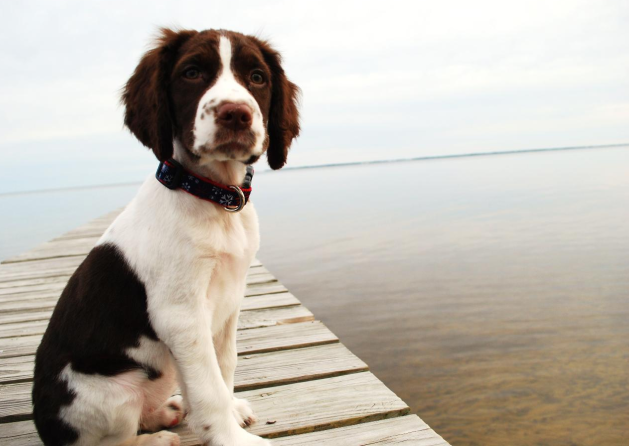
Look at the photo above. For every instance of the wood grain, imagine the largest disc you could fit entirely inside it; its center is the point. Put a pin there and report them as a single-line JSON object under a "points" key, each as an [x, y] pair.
{"points": [[65, 266], [407, 430], [264, 339], [254, 370], [24, 285], [46, 299], [17, 369], [273, 313]]}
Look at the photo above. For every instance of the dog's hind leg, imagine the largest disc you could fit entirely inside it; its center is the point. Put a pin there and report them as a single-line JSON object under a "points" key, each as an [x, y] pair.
{"points": [[161, 410], [106, 411]]}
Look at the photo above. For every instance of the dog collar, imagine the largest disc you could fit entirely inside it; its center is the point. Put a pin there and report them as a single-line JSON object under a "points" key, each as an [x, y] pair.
{"points": [[233, 198]]}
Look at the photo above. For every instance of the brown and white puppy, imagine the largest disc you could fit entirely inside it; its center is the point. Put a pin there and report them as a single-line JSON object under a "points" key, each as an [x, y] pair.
{"points": [[155, 304]]}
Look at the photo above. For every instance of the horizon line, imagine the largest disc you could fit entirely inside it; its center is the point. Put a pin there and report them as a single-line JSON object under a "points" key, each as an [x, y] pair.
{"points": [[458, 155], [345, 164]]}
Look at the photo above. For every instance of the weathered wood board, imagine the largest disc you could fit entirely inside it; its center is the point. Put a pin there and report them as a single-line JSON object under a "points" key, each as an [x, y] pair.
{"points": [[265, 339], [408, 430], [10, 310]]}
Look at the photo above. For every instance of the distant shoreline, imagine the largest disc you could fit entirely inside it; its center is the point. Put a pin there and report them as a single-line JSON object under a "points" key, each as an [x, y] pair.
{"points": [[349, 163], [458, 155]]}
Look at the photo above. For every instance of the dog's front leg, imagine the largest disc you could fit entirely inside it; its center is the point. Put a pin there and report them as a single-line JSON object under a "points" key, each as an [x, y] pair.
{"points": [[185, 327], [227, 354]]}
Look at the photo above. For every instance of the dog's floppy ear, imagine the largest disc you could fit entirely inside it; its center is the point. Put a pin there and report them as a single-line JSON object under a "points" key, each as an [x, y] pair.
{"points": [[148, 111], [283, 125]]}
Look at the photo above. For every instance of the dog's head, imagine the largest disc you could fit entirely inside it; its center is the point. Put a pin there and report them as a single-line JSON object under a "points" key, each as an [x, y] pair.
{"points": [[221, 95]]}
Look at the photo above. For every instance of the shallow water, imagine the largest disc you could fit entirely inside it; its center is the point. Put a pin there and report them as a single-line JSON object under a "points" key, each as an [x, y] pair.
{"points": [[32, 218], [491, 293]]}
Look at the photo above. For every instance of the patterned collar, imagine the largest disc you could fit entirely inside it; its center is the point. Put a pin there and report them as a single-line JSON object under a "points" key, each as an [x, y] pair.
{"points": [[233, 198]]}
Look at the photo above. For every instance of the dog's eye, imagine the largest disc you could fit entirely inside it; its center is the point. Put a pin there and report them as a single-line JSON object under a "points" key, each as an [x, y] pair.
{"points": [[257, 77], [192, 73]]}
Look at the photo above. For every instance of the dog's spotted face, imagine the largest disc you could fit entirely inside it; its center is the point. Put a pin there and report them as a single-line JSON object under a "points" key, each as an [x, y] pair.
{"points": [[220, 95], [221, 91]]}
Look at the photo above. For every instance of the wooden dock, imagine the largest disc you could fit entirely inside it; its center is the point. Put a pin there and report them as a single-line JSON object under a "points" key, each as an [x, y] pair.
{"points": [[305, 386]]}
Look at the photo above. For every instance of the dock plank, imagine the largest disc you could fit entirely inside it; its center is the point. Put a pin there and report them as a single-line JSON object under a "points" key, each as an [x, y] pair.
{"points": [[253, 340], [248, 319], [9, 286], [36, 283], [17, 369], [289, 366], [54, 267], [64, 266], [265, 288], [38, 288], [42, 301], [21, 433], [406, 430], [254, 370], [58, 283]]}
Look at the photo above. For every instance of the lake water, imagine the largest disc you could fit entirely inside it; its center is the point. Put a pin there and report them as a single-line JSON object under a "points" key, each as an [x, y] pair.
{"points": [[490, 293]]}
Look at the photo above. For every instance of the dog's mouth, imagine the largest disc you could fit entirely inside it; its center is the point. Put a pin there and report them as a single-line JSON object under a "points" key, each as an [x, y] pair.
{"points": [[232, 147], [229, 144]]}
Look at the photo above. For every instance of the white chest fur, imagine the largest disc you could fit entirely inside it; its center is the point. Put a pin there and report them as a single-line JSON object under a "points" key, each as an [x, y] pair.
{"points": [[175, 242]]}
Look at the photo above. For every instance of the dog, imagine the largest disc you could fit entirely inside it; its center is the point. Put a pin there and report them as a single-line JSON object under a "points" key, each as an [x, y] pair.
{"points": [[155, 304]]}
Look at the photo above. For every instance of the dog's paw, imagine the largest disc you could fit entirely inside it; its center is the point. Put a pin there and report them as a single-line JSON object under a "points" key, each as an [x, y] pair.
{"points": [[173, 411], [240, 438], [243, 412], [170, 414], [162, 438]]}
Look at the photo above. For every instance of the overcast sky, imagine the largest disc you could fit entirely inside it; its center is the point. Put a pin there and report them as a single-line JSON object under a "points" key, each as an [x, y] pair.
{"points": [[379, 79]]}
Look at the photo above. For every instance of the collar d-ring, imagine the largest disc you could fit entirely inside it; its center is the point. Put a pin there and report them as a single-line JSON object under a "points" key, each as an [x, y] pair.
{"points": [[242, 203]]}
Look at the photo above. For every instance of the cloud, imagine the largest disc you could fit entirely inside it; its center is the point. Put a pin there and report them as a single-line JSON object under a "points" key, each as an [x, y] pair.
{"points": [[429, 76]]}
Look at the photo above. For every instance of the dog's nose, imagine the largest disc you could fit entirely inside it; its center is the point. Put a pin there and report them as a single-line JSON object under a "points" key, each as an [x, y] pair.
{"points": [[234, 116]]}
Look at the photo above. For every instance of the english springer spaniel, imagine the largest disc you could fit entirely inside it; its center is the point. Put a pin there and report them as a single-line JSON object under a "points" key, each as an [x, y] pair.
{"points": [[155, 304]]}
